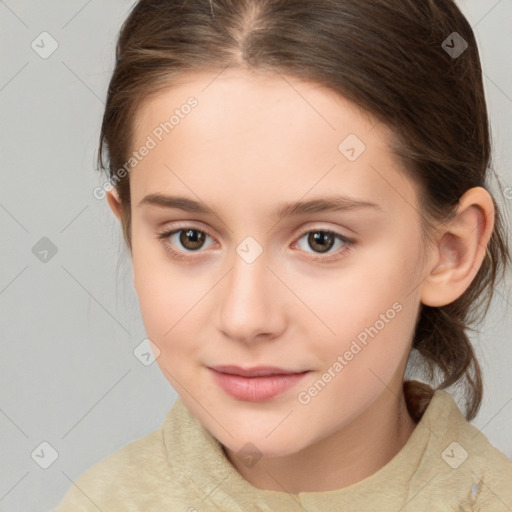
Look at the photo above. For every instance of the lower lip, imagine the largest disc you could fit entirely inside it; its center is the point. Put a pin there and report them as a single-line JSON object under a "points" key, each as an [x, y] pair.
{"points": [[256, 389]]}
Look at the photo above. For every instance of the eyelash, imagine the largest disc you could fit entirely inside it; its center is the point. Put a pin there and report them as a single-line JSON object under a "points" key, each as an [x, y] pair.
{"points": [[180, 255]]}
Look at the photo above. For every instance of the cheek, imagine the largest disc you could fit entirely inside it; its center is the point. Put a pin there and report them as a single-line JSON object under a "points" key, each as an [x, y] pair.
{"points": [[162, 291], [174, 301], [371, 311], [376, 286], [167, 311], [360, 362]]}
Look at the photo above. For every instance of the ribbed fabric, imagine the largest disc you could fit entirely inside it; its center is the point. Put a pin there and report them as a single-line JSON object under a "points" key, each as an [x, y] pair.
{"points": [[446, 465]]}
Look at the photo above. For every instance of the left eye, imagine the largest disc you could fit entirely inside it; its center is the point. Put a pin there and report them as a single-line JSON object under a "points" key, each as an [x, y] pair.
{"points": [[323, 240]]}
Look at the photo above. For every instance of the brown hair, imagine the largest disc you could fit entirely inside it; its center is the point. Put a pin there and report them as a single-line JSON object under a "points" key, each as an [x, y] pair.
{"points": [[388, 58]]}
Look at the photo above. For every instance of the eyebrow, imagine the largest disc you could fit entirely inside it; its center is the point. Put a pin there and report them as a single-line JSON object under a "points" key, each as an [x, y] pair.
{"points": [[283, 210]]}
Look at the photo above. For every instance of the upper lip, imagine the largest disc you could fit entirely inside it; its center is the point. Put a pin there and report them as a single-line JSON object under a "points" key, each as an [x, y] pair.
{"points": [[256, 371]]}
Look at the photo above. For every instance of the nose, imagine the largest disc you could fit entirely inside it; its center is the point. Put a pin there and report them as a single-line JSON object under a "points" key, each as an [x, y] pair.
{"points": [[251, 302]]}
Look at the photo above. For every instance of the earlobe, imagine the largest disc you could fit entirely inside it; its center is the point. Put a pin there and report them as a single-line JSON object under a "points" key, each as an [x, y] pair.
{"points": [[114, 203], [460, 249]]}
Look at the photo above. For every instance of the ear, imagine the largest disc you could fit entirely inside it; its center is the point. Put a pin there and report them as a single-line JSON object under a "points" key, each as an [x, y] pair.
{"points": [[460, 249], [114, 203]]}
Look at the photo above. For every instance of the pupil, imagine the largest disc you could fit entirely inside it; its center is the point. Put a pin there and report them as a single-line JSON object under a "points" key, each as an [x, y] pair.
{"points": [[192, 238], [322, 239]]}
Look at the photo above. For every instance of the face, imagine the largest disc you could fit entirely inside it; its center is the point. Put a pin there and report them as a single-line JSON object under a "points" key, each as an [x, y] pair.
{"points": [[330, 295]]}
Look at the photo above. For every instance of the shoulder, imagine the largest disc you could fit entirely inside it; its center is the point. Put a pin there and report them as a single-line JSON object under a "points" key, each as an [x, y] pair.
{"points": [[128, 476], [491, 469], [468, 461]]}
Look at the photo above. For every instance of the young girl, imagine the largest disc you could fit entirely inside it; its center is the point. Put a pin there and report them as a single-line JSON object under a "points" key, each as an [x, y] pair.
{"points": [[303, 189]]}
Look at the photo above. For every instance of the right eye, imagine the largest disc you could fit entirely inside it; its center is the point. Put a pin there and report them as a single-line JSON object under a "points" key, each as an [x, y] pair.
{"points": [[190, 238]]}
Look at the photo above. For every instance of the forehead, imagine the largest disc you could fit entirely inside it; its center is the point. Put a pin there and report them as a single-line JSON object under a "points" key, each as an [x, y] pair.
{"points": [[257, 102], [261, 134]]}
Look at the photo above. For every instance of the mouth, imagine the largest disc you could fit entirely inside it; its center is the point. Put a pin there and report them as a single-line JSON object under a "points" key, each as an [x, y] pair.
{"points": [[255, 384], [256, 371]]}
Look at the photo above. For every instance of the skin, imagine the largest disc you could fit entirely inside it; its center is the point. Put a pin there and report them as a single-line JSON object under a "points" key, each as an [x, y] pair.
{"points": [[253, 142]]}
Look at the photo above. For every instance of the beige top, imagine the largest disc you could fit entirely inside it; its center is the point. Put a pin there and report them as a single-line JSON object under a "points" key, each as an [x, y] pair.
{"points": [[446, 465]]}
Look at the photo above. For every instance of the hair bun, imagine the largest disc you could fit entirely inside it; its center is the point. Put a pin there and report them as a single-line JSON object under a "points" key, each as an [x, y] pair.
{"points": [[417, 396]]}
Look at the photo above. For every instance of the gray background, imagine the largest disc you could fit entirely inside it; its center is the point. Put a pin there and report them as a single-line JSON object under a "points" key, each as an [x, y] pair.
{"points": [[70, 320]]}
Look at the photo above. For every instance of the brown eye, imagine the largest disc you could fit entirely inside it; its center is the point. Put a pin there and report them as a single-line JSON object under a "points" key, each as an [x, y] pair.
{"points": [[184, 240], [191, 239], [317, 244], [321, 241]]}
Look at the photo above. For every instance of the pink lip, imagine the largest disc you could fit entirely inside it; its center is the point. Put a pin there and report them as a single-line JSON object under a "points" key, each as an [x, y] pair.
{"points": [[256, 371], [255, 384]]}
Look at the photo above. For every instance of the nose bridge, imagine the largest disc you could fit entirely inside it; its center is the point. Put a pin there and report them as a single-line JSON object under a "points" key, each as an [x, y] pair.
{"points": [[248, 278], [249, 305]]}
